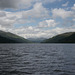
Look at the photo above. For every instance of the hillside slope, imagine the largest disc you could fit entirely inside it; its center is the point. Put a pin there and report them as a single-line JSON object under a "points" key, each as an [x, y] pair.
{"points": [[7, 37], [62, 38]]}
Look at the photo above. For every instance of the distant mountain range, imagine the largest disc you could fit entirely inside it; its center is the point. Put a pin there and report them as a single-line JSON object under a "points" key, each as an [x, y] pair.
{"points": [[68, 37], [36, 40], [7, 37]]}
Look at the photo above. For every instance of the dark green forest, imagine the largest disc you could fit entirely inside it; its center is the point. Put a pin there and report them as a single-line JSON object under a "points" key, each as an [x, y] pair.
{"points": [[7, 37], [68, 37]]}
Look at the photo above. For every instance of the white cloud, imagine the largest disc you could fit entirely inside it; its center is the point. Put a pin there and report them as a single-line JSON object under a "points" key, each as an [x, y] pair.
{"points": [[66, 4], [38, 11], [30, 28], [24, 21], [48, 23], [34, 32], [62, 13], [8, 19], [6, 22], [73, 8]]}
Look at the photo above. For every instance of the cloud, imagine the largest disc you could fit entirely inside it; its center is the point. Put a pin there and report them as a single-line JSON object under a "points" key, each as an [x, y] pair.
{"points": [[8, 19], [24, 21], [73, 8], [62, 13], [38, 11], [66, 4], [36, 14], [9, 4], [3, 28], [17, 4], [6, 22], [2, 14], [74, 19], [47, 23], [34, 32], [48, 1]]}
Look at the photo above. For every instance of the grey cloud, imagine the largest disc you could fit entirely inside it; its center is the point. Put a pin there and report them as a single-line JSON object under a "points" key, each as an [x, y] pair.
{"points": [[15, 4], [47, 1], [8, 4], [2, 14], [6, 23]]}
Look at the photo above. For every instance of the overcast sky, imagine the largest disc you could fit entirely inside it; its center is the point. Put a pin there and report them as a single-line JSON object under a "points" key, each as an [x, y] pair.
{"points": [[37, 18]]}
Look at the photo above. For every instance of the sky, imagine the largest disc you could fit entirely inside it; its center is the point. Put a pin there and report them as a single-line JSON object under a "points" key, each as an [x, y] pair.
{"points": [[37, 18]]}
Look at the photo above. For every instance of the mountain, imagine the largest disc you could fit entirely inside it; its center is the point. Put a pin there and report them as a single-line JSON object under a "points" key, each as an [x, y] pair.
{"points": [[68, 37], [7, 37], [36, 40]]}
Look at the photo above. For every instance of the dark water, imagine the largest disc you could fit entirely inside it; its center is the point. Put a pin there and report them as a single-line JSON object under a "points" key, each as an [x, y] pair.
{"points": [[37, 59]]}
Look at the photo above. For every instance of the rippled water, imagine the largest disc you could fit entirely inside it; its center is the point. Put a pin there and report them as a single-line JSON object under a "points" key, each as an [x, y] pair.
{"points": [[37, 59]]}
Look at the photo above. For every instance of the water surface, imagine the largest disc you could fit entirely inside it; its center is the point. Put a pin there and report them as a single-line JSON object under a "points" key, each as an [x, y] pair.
{"points": [[37, 59]]}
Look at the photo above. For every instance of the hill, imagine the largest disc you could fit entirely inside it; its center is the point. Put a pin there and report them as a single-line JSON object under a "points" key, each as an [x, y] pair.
{"points": [[7, 37], [68, 37]]}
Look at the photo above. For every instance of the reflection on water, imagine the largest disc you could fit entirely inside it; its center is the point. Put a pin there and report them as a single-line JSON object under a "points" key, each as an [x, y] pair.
{"points": [[37, 59]]}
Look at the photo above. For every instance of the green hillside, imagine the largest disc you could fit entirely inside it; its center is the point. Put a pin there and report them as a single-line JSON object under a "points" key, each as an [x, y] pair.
{"points": [[62, 38], [7, 37]]}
